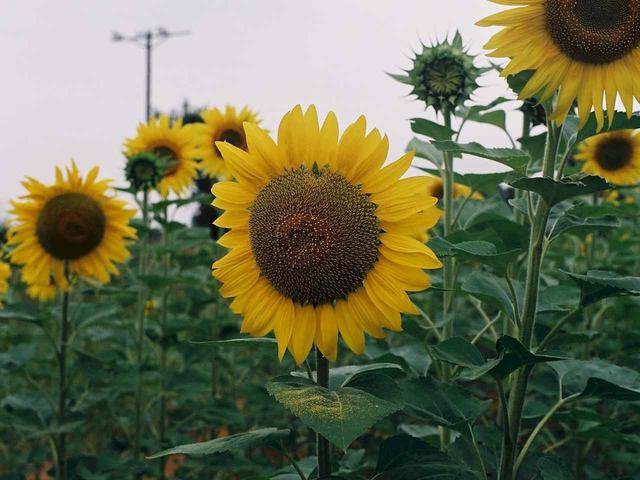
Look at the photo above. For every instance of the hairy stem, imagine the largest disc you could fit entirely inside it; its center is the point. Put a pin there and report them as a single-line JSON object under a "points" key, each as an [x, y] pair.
{"points": [[142, 299], [61, 467], [323, 448]]}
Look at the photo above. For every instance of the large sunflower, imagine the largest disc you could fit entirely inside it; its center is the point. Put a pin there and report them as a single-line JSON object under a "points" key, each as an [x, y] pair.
{"points": [[174, 143], [321, 234], [614, 156], [583, 47], [75, 220], [220, 126]]}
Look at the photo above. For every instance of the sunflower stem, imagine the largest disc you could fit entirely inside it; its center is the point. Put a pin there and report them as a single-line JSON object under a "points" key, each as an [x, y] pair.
{"points": [[528, 315], [449, 263], [163, 341], [61, 467], [142, 299], [323, 448]]}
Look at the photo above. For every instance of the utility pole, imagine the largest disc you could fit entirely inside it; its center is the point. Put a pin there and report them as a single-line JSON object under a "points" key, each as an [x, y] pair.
{"points": [[148, 40]]}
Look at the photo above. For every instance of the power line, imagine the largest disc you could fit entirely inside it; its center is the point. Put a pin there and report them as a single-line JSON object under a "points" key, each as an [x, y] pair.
{"points": [[148, 40]]}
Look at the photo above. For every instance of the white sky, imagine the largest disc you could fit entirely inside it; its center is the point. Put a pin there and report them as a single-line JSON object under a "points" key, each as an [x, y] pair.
{"points": [[68, 92]]}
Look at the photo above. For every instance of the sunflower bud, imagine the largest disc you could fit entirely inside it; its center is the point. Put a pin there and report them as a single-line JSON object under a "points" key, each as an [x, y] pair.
{"points": [[144, 170], [443, 75]]}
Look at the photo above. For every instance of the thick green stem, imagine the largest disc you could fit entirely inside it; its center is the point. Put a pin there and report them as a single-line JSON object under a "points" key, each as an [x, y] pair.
{"points": [[449, 262], [61, 467], [528, 315], [163, 342], [142, 299], [323, 447]]}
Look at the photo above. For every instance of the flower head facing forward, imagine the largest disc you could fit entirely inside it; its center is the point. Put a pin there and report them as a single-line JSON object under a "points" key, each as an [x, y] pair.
{"points": [[583, 48], [218, 126], [322, 234], [175, 145], [74, 221], [443, 75], [614, 156]]}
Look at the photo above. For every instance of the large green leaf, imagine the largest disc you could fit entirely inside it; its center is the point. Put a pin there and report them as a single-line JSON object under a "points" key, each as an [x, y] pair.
{"points": [[343, 414], [598, 378], [431, 129], [489, 289], [446, 405], [568, 221], [555, 191], [484, 252], [407, 458], [511, 157], [427, 151], [597, 285], [512, 355], [240, 441]]}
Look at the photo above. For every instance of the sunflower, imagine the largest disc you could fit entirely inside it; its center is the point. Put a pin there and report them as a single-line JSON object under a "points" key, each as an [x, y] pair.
{"points": [[172, 142], [73, 221], [321, 234], [5, 273], [614, 156], [221, 127], [435, 188], [585, 48]]}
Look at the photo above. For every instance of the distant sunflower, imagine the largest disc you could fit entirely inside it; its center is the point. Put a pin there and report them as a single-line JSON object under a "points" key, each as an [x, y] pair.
{"points": [[5, 273], [435, 188], [614, 156], [75, 220], [321, 234], [582, 47], [173, 143], [221, 127]]}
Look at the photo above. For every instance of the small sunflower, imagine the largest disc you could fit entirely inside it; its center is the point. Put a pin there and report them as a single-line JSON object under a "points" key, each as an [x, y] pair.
{"points": [[614, 156], [75, 220], [585, 48], [220, 126], [5, 273], [173, 143], [435, 188], [144, 171], [321, 234], [443, 75]]}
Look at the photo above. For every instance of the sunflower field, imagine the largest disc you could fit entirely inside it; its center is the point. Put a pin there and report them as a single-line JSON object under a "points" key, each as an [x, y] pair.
{"points": [[290, 302]]}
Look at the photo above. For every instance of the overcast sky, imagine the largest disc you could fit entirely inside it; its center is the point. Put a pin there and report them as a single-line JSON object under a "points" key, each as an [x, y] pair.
{"points": [[69, 92]]}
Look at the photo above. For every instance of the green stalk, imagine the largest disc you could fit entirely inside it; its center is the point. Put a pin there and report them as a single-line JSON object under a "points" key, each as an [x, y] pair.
{"points": [[142, 298], [61, 466], [163, 346], [528, 316], [323, 447], [448, 264]]}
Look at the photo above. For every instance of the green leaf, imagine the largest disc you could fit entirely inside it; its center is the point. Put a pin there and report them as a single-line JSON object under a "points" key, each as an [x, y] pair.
{"points": [[485, 253], [427, 151], [232, 443], [597, 285], [511, 157], [534, 146], [569, 222], [496, 117], [339, 415], [555, 191], [431, 129], [243, 342], [485, 183], [489, 289], [620, 122], [401, 78], [458, 351], [341, 376], [406, 458], [598, 378], [519, 81], [513, 355], [445, 405]]}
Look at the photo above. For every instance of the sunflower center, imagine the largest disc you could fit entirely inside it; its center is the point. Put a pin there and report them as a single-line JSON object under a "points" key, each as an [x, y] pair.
{"points": [[314, 235], [444, 77], [234, 137], [594, 31], [168, 155], [70, 226], [614, 154]]}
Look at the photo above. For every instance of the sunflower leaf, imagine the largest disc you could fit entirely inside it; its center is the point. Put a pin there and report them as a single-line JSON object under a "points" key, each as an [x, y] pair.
{"points": [[343, 414], [511, 157], [430, 129], [597, 285], [427, 151], [237, 442], [555, 191]]}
